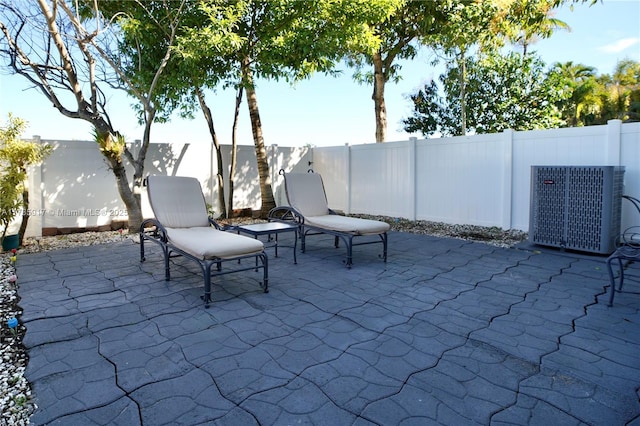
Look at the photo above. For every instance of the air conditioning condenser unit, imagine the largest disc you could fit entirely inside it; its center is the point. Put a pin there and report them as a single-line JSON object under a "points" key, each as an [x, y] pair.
{"points": [[576, 207]]}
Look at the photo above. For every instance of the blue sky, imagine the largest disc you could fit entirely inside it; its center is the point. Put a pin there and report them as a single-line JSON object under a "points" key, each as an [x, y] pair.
{"points": [[328, 111]]}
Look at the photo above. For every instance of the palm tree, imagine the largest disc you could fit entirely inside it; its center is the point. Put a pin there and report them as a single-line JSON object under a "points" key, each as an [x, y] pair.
{"points": [[626, 80], [580, 80], [536, 22]]}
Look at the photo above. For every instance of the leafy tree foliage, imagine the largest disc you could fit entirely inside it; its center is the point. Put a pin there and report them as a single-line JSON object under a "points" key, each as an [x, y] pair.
{"points": [[534, 21], [452, 28], [579, 82], [477, 28], [503, 92], [16, 155], [147, 40], [400, 36], [594, 99], [290, 40], [624, 90], [69, 51]]}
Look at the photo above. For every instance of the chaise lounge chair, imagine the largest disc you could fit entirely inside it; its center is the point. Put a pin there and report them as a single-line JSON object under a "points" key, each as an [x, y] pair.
{"points": [[309, 209], [182, 227]]}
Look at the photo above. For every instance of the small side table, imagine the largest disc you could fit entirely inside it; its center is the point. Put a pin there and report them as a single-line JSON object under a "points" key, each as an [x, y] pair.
{"points": [[269, 228]]}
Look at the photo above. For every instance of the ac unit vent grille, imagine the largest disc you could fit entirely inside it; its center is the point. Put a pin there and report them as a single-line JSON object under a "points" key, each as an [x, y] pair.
{"points": [[549, 210], [576, 207]]}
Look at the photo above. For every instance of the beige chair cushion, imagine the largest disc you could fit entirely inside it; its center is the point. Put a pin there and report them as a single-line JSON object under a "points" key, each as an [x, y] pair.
{"points": [[210, 243], [306, 194], [177, 201], [352, 225]]}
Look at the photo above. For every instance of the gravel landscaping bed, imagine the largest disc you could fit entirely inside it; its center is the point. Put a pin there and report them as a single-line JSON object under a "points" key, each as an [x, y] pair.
{"points": [[15, 392]]}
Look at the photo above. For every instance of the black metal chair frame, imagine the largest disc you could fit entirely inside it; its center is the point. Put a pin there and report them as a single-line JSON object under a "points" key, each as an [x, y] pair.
{"points": [[625, 255], [152, 230]]}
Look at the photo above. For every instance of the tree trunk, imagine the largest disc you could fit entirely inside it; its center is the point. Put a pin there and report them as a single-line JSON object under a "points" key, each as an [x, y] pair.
{"points": [[25, 215], [131, 202], [266, 191], [114, 157], [463, 94], [379, 82], [234, 147], [214, 138]]}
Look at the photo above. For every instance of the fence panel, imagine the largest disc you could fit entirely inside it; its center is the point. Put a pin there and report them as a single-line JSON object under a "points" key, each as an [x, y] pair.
{"points": [[77, 189], [460, 180], [481, 179], [630, 159], [333, 164], [74, 187], [381, 179]]}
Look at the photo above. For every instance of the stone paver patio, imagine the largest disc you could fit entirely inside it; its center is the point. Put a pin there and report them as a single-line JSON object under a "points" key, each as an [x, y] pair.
{"points": [[446, 332]]}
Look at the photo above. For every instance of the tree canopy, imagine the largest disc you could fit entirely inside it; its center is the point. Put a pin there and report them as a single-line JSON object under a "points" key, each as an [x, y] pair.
{"points": [[503, 92], [70, 52], [290, 40]]}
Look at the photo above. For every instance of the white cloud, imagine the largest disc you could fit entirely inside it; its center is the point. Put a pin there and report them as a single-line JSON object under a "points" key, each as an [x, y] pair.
{"points": [[620, 45]]}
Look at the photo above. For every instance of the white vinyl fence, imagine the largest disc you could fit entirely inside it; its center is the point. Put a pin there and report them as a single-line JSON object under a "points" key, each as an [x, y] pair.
{"points": [[74, 187], [478, 180]]}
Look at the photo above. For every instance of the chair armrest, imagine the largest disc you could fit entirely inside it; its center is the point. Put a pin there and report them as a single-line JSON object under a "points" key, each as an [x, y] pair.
{"points": [[285, 214], [157, 230], [216, 225]]}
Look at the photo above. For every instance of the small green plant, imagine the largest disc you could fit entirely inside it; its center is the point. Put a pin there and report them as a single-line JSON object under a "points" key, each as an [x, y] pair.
{"points": [[16, 155], [210, 210], [20, 400]]}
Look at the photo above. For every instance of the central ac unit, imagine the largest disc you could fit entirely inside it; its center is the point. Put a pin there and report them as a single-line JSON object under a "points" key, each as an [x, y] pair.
{"points": [[576, 207]]}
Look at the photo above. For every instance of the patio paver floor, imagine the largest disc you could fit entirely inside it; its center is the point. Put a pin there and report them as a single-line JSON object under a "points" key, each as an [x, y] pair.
{"points": [[446, 332]]}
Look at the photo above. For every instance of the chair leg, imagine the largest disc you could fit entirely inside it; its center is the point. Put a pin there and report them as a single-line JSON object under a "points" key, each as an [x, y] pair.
{"points": [[612, 278], [384, 246], [349, 243], [206, 271], [303, 236], [621, 269], [167, 254], [142, 258], [295, 247], [612, 281], [265, 271]]}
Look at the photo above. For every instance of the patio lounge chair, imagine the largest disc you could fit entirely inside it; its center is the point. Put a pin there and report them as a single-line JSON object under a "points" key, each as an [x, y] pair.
{"points": [[182, 227], [309, 209]]}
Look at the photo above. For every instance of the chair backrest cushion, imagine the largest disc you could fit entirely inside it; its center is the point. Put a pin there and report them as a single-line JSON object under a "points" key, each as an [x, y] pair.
{"points": [[177, 201], [305, 193]]}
